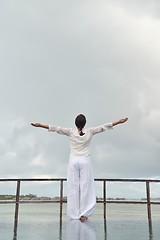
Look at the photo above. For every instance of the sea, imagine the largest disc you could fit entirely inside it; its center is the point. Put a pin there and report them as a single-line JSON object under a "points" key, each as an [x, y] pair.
{"points": [[41, 221]]}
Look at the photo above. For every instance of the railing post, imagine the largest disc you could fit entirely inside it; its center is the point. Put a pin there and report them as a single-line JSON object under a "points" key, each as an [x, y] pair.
{"points": [[104, 199], [149, 205], [61, 199], [104, 206], [16, 209]]}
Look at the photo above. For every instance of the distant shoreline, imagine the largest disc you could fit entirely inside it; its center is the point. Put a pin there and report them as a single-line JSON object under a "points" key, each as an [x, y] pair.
{"points": [[33, 197]]}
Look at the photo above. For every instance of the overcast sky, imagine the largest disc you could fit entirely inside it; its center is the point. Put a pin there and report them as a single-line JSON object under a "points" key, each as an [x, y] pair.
{"points": [[61, 58]]}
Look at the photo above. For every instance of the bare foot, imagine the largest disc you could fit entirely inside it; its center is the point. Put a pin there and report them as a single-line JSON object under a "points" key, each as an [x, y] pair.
{"points": [[83, 218]]}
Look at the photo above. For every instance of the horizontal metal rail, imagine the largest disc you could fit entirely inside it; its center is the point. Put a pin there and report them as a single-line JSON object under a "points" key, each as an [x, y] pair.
{"points": [[64, 179]]}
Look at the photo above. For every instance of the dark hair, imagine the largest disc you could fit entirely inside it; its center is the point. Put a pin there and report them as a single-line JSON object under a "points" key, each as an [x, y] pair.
{"points": [[80, 122]]}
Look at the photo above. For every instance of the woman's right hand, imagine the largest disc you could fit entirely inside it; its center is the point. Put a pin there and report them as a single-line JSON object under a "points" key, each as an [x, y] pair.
{"points": [[36, 124], [40, 125]]}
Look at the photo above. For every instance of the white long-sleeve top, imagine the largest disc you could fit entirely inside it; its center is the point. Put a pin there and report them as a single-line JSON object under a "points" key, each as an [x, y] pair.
{"points": [[79, 145]]}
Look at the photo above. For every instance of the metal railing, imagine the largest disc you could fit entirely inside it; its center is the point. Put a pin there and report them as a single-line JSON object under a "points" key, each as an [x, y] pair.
{"points": [[61, 200]]}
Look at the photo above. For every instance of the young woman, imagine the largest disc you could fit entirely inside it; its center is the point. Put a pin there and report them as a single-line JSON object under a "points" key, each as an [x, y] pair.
{"points": [[81, 197]]}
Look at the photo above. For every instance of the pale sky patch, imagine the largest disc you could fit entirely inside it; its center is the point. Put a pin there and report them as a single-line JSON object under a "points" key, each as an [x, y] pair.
{"points": [[39, 161]]}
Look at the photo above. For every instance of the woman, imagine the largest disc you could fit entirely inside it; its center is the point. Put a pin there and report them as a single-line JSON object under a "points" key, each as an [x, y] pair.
{"points": [[81, 197]]}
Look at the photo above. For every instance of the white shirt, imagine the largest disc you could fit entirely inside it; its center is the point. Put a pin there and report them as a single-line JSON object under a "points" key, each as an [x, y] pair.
{"points": [[79, 145]]}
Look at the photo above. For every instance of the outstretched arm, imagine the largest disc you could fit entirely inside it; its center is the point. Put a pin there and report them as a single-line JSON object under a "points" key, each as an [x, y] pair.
{"points": [[40, 125], [123, 120], [53, 128]]}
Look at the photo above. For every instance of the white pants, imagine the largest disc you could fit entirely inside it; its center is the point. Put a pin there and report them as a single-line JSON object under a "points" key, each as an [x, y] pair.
{"points": [[81, 197]]}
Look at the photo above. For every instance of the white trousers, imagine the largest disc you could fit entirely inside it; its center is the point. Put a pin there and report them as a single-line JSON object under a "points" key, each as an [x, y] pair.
{"points": [[81, 197]]}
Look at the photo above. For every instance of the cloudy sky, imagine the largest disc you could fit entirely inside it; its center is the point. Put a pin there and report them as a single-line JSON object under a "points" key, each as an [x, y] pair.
{"points": [[62, 58]]}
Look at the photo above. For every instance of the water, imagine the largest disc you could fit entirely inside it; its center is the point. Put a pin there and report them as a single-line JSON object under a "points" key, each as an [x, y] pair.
{"points": [[41, 222]]}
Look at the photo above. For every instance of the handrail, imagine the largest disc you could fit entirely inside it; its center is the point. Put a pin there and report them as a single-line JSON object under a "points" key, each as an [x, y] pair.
{"points": [[104, 200], [96, 179]]}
